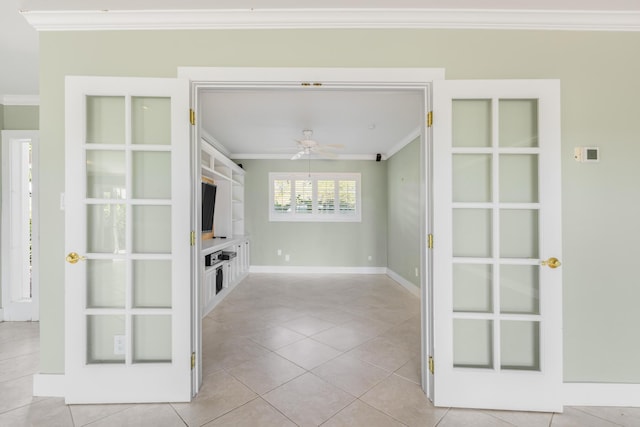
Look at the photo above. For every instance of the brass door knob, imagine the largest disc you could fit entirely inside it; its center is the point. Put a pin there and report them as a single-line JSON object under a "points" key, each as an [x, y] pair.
{"points": [[551, 263], [73, 257]]}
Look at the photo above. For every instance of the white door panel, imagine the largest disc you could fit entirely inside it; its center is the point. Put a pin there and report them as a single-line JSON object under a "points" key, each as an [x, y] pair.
{"points": [[127, 228], [496, 197]]}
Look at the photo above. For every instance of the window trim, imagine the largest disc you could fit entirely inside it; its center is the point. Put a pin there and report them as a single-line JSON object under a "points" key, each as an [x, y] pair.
{"points": [[315, 216]]}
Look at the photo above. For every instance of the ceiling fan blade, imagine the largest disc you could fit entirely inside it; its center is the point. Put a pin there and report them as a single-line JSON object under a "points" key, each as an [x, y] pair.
{"points": [[322, 153], [297, 155], [333, 146]]}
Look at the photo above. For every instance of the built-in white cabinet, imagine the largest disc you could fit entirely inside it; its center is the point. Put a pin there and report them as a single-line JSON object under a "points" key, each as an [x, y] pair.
{"points": [[228, 177], [220, 276]]}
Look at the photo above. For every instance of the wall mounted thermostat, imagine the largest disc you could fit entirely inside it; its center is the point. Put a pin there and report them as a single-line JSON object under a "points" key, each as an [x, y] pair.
{"points": [[586, 154]]}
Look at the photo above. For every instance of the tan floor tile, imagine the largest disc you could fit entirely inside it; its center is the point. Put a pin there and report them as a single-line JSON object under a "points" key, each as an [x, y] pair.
{"points": [[411, 370], [342, 338], [51, 412], [308, 400], [572, 417], [220, 394], [623, 416], [361, 414], [523, 419], [19, 366], [85, 414], [266, 372], [404, 401], [383, 353], [277, 337], [308, 353], [307, 325], [471, 418], [152, 415], [16, 393], [233, 352], [350, 374], [252, 414]]}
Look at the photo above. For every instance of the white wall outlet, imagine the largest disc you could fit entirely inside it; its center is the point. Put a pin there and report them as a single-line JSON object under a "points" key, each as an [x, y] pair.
{"points": [[119, 344], [417, 272], [370, 258], [287, 258], [279, 252]]}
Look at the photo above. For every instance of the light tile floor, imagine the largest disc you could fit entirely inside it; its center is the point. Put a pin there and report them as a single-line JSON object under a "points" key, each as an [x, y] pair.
{"points": [[287, 350]]}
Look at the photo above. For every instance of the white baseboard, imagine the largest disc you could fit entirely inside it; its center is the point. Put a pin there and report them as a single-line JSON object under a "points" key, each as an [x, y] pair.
{"points": [[413, 289], [601, 394], [48, 385], [316, 270]]}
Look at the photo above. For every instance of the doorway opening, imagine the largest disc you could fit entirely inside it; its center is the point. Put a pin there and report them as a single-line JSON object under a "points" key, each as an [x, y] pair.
{"points": [[363, 80], [19, 226]]}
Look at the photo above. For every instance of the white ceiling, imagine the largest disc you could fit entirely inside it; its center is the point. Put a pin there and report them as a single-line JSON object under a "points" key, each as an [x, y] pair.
{"points": [[266, 122]]}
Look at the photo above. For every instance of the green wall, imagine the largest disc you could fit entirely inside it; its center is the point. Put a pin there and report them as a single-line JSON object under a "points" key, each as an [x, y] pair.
{"points": [[19, 117], [403, 212], [601, 203], [339, 244]]}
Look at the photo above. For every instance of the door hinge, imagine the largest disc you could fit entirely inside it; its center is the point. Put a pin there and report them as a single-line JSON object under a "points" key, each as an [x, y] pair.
{"points": [[193, 360], [431, 365], [430, 119], [193, 238], [192, 117], [430, 241]]}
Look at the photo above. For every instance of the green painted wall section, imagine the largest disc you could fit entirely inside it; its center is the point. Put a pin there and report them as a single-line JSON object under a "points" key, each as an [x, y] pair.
{"points": [[340, 244], [403, 212], [20, 117], [1, 117], [601, 203]]}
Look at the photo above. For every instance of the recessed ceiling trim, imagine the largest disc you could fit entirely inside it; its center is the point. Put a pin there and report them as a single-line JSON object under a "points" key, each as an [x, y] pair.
{"points": [[88, 20], [313, 158]]}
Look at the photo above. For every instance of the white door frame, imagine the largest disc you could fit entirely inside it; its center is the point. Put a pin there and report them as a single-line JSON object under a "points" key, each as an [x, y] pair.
{"points": [[10, 310], [357, 78]]}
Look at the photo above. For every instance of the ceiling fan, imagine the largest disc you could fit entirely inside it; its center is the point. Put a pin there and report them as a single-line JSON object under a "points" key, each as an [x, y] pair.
{"points": [[309, 146]]}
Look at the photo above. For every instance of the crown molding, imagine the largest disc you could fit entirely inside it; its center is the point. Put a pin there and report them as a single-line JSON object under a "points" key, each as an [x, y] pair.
{"points": [[400, 18], [18, 100]]}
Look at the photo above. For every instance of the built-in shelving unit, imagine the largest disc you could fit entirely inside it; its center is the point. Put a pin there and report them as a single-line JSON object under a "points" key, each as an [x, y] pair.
{"points": [[228, 228]]}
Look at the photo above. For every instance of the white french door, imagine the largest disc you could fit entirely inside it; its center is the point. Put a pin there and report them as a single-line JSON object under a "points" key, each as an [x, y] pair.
{"points": [[497, 291], [127, 240]]}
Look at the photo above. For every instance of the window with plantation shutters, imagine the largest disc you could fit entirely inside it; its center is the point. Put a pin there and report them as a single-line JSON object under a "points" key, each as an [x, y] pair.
{"points": [[319, 197]]}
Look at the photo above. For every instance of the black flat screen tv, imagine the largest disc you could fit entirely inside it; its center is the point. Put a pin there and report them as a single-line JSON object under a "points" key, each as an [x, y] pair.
{"points": [[208, 206]]}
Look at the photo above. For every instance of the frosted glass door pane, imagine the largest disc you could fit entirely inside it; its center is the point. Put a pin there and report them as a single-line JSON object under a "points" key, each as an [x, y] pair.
{"points": [[471, 123], [151, 120], [472, 343], [106, 228], [106, 281], [151, 339], [102, 330], [519, 289], [151, 175], [472, 233], [519, 178], [520, 345], [472, 290], [105, 174], [471, 178], [151, 229], [518, 233], [105, 120], [518, 122], [152, 284]]}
